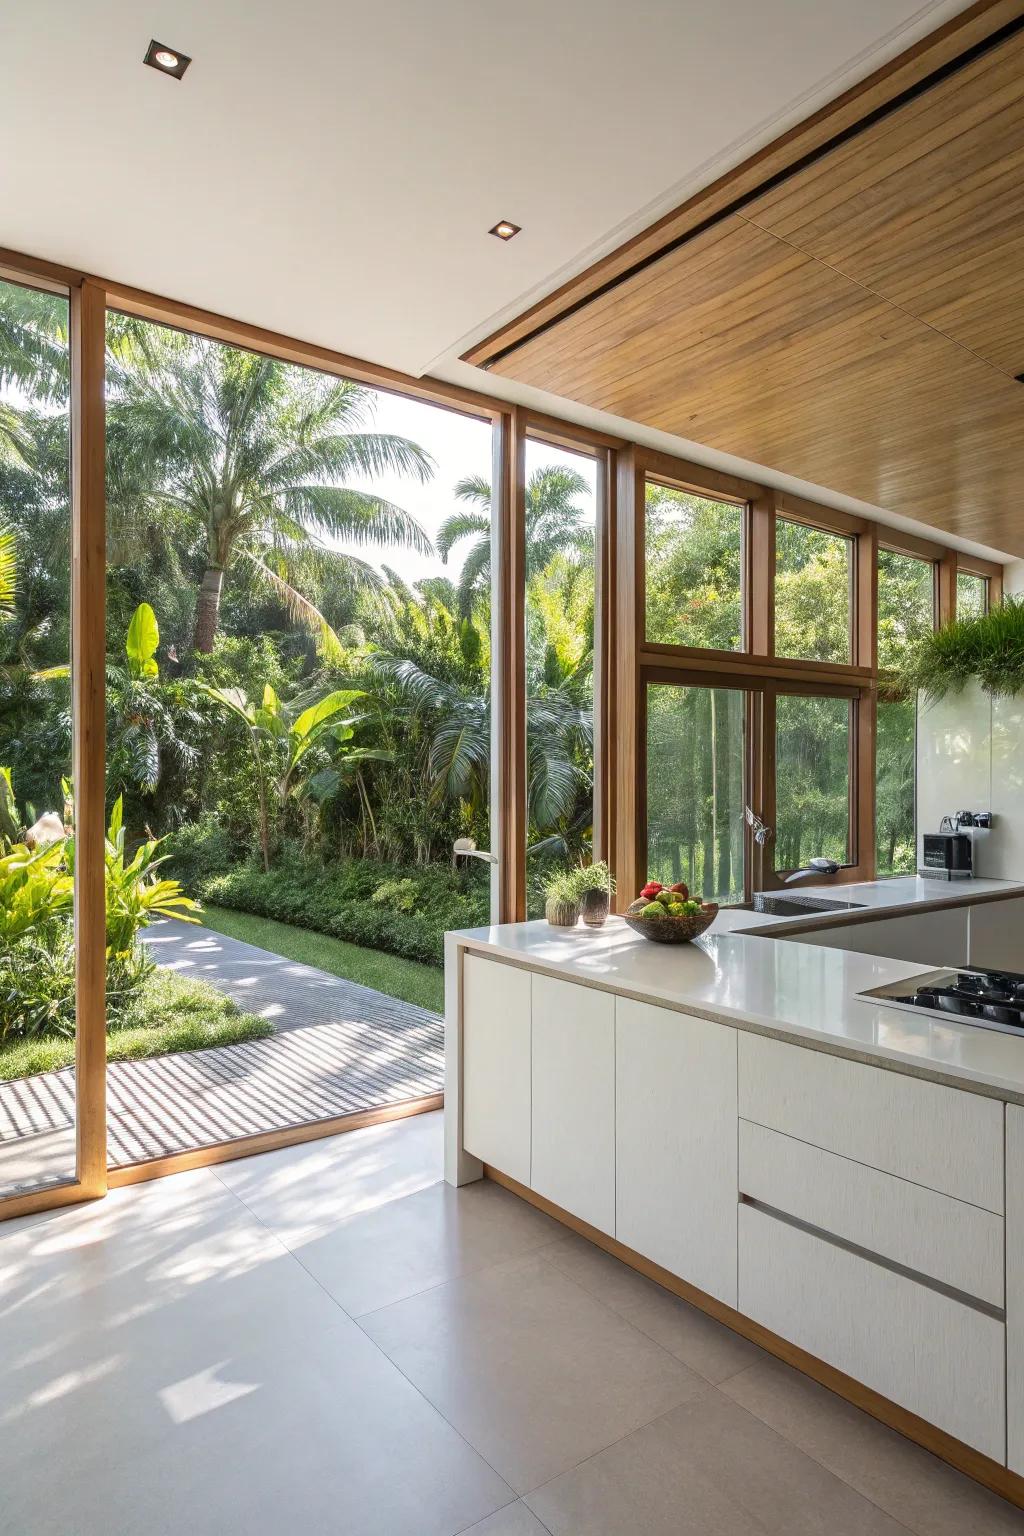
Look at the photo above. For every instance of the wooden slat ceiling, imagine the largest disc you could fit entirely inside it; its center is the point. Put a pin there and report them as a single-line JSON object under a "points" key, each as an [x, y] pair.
{"points": [[860, 325]]}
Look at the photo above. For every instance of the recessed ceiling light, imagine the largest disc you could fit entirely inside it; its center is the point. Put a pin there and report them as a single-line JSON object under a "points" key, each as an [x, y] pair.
{"points": [[167, 60], [504, 229]]}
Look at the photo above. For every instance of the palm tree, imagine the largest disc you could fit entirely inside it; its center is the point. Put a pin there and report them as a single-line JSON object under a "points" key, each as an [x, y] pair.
{"points": [[554, 526], [34, 341], [250, 456]]}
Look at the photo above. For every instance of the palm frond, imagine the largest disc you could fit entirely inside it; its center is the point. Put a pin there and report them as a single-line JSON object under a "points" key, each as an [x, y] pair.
{"points": [[301, 611], [359, 516]]}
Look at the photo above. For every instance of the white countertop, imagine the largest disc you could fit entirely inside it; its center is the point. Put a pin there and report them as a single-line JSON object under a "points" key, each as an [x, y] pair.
{"points": [[874, 898], [807, 993]]}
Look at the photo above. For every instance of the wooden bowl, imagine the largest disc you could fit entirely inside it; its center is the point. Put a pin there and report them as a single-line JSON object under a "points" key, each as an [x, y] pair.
{"points": [[668, 929]]}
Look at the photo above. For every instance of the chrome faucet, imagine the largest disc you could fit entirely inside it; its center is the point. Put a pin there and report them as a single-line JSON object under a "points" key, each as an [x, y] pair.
{"points": [[818, 866]]}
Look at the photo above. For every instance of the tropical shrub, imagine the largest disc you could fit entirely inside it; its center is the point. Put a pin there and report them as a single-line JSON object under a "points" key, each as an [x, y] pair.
{"points": [[340, 901], [37, 973]]}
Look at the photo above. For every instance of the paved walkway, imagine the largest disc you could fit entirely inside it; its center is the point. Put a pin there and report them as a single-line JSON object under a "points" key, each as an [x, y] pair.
{"points": [[339, 1048]]}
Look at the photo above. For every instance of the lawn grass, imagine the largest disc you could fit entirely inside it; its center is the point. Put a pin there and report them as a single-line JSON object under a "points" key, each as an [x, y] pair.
{"points": [[410, 980], [172, 1013]]}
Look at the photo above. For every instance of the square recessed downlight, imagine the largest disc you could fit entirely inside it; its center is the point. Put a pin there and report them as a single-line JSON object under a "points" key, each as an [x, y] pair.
{"points": [[167, 61], [505, 229]]}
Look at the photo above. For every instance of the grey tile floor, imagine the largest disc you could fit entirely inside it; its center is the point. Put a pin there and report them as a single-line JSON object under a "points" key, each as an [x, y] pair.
{"points": [[328, 1339]]}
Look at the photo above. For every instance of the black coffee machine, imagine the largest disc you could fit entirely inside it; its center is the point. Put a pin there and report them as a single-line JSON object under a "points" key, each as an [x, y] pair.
{"points": [[948, 854]]}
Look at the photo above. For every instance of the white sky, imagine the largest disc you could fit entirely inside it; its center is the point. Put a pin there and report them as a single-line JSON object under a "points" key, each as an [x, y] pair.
{"points": [[461, 446]]}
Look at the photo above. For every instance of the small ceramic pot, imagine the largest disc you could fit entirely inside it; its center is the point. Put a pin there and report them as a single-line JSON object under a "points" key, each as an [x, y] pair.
{"points": [[562, 914], [594, 908]]}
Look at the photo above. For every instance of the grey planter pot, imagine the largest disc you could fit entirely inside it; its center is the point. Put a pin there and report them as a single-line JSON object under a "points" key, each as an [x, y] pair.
{"points": [[594, 908]]}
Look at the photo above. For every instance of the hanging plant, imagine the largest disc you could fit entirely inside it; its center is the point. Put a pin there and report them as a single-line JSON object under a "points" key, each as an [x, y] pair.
{"points": [[988, 650]]}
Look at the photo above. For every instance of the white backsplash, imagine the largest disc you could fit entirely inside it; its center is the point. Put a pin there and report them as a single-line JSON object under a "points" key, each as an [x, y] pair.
{"points": [[970, 756]]}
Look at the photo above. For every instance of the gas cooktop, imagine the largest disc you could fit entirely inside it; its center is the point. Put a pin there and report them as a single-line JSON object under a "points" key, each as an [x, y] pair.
{"points": [[991, 999]]}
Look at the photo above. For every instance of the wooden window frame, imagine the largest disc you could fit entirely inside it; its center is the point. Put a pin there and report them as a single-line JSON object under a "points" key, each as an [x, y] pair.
{"points": [[755, 668]]}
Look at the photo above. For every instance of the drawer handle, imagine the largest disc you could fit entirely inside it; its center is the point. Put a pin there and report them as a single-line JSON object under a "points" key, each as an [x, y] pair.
{"points": [[878, 1259]]}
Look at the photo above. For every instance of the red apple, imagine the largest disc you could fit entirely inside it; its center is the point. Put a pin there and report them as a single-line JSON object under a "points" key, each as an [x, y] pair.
{"points": [[682, 890], [651, 890]]}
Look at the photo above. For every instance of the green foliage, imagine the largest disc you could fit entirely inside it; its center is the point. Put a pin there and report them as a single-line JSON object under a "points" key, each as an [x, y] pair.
{"points": [[812, 593], [250, 460], [339, 901], [141, 642], [571, 885], [560, 888], [592, 877], [151, 724], [135, 894], [398, 895], [694, 559], [37, 981], [165, 1012], [989, 648]]}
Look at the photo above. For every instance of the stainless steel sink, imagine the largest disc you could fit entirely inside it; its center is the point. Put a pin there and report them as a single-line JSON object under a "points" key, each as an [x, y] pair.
{"points": [[799, 906]]}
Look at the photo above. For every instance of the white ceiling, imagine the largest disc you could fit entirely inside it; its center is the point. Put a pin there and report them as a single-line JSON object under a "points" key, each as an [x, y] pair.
{"points": [[329, 169]]}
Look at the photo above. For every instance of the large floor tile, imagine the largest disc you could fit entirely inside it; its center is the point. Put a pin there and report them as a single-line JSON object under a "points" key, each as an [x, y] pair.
{"points": [[703, 1344], [616, 1284], [335, 1440], [304, 1190], [706, 1468], [105, 1308], [381, 1256], [514, 1520], [688, 1333], [922, 1492], [534, 1371]]}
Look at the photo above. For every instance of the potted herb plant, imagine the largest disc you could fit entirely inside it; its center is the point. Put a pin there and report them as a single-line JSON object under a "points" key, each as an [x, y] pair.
{"points": [[562, 900], [594, 885]]}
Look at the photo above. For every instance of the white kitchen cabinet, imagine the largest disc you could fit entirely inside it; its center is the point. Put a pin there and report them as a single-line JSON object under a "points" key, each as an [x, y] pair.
{"points": [[573, 1092], [997, 934], [676, 1143], [943, 1138], [917, 1346], [496, 1089], [1015, 1288], [957, 1244], [938, 937]]}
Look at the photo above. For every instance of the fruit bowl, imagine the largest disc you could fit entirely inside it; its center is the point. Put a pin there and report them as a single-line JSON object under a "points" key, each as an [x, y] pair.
{"points": [[669, 929]]}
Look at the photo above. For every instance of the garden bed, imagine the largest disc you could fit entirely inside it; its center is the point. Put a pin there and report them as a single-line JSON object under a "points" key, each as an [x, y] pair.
{"points": [[170, 1013]]}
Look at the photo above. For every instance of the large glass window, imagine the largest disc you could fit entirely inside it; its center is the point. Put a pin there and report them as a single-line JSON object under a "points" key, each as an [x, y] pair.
{"points": [[906, 612], [299, 650], [694, 551], [971, 595], [812, 778], [813, 571], [561, 534], [37, 959], [695, 788]]}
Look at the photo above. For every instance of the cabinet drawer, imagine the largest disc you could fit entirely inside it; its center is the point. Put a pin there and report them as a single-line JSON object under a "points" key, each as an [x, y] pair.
{"points": [[934, 1356], [496, 1065], [947, 1240], [940, 1137], [573, 1149]]}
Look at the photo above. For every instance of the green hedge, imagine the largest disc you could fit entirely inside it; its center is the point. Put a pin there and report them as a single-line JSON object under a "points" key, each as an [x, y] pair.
{"points": [[338, 901]]}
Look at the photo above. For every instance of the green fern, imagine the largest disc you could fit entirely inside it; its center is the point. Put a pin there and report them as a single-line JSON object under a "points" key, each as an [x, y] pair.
{"points": [[989, 649]]}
